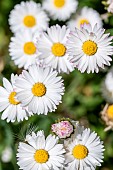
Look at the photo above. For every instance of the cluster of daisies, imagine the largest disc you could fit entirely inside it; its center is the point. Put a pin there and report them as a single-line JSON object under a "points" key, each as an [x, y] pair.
{"points": [[81, 44], [43, 52], [69, 146]]}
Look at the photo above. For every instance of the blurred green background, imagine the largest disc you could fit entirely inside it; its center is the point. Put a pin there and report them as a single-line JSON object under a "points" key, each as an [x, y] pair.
{"points": [[82, 100]]}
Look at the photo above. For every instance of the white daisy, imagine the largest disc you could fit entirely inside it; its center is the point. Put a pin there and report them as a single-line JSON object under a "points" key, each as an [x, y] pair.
{"points": [[23, 50], [91, 48], [40, 153], [86, 16], [84, 152], [28, 15], [107, 116], [53, 48], [58, 8], [107, 87], [9, 104], [40, 89]]}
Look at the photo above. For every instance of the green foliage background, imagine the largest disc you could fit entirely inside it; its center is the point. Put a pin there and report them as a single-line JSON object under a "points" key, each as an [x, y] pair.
{"points": [[82, 100]]}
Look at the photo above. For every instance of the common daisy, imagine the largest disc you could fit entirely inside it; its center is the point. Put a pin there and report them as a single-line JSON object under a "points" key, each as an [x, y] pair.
{"points": [[107, 116], [53, 48], [91, 48], [107, 87], [40, 153], [58, 8], [86, 16], [23, 50], [40, 89], [28, 16], [84, 152], [9, 104]]}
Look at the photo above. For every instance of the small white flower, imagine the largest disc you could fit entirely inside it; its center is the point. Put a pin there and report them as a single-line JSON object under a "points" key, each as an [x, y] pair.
{"points": [[60, 9], [40, 89], [53, 48], [40, 153], [86, 16], [6, 155], [23, 50], [28, 16], [91, 48], [84, 152], [9, 104], [107, 89]]}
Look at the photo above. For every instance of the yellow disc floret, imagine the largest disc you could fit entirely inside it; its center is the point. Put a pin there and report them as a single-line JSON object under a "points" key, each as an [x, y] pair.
{"points": [[41, 156], [80, 151], [39, 89], [29, 21], [12, 99], [110, 111], [83, 21], [58, 49], [59, 3], [89, 47], [29, 48]]}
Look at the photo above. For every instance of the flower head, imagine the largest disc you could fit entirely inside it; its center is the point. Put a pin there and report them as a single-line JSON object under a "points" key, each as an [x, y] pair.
{"points": [[81, 18], [58, 8], [40, 152], [9, 104], [63, 129], [23, 50], [107, 87], [28, 16], [53, 49], [91, 48], [40, 89], [85, 151], [107, 116]]}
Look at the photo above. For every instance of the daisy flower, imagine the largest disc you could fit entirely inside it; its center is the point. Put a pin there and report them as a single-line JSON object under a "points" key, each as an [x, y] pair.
{"points": [[107, 116], [53, 48], [23, 50], [84, 152], [91, 48], [40, 89], [9, 104], [57, 9], [28, 16], [81, 18], [40, 153], [107, 87]]}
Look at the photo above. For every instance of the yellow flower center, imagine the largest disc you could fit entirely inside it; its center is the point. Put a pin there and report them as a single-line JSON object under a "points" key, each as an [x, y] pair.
{"points": [[29, 21], [80, 152], [59, 3], [12, 99], [83, 21], [41, 156], [89, 47], [58, 49], [39, 89], [110, 112], [29, 48]]}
